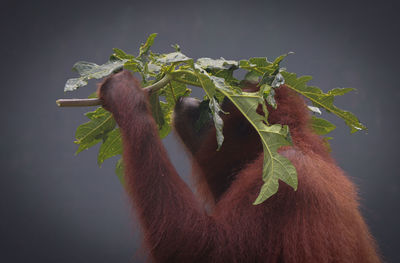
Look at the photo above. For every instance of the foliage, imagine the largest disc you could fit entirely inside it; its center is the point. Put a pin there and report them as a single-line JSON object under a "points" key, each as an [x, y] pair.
{"points": [[215, 77]]}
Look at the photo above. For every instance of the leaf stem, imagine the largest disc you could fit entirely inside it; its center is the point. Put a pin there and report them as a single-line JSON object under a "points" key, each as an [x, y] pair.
{"points": [[187, 82], [172, 91]]}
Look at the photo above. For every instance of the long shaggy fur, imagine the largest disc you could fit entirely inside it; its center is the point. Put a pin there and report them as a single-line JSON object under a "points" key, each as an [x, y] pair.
{"points": [[320, 222]]}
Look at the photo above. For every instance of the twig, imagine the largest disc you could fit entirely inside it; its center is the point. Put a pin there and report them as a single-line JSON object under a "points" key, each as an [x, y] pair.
{"points": [[95, 102]]}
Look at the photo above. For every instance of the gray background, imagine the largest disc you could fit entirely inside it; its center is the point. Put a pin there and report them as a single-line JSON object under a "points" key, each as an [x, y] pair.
{"points": [[57, 207]]}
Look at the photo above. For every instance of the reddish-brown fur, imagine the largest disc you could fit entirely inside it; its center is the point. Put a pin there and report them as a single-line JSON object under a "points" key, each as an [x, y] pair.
{"points": [[320, 222]]}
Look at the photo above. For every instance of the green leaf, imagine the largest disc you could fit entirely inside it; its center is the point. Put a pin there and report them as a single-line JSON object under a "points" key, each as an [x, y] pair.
{"points": [[276, 167], [90, 133], [322, 100], [140, 64], [273, 78], [273, 137], [252, 77], [156, 110], [121, 54], [260, 66], [257, 62], [205, 81], [208, 83], [119, 171], [88, 70], [218, 122], [144, 48], [88, 144], [256, 65], [186, 76], [112, 146], [321, 126], [172, 92], [197, 75], [165, 129], [221, 68], [339, 91], [133, 65], [279, 59]]}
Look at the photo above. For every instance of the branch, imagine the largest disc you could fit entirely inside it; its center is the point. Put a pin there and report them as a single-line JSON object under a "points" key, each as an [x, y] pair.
{"points": [[78, 102], [95, 102]]}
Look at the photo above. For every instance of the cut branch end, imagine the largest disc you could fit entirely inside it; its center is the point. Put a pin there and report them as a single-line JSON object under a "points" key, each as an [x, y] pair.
{"points": [[78, 102]]}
